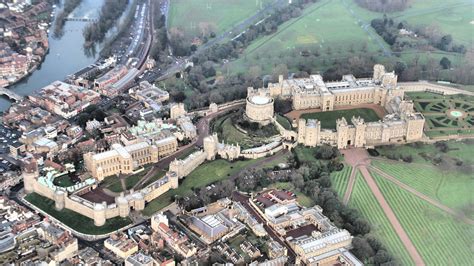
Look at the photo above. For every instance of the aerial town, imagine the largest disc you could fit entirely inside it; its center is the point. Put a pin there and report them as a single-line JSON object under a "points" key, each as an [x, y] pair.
{"points": [[150, 151]]}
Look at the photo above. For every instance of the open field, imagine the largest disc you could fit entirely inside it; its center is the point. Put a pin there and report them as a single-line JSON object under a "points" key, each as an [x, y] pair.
{"points": [[340, 29], [204, 175], [328, 119], [365, 202], [340, 180], [326, 26], [198, 16], [450, 187], [438, 237], [74, 220], [422, 153]]}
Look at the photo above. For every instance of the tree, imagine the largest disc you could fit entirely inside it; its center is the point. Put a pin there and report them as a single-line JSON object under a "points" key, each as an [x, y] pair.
{"points": [[445, 63]]}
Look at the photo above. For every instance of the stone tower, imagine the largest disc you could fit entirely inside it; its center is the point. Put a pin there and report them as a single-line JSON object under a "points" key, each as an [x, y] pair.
{"points": [[210, 146], [122, 205], [343, 136], [379, 71], [360, 126], [29, 173], [301, 130], [99, 213], [173, 179], [59, 199]]}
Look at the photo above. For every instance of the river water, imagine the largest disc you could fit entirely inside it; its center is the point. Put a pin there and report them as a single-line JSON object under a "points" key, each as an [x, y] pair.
{"points": [[66, 54]]}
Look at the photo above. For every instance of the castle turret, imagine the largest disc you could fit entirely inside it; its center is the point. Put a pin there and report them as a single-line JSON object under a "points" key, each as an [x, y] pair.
{"points": [[210, 147], [59, 199], [99, 213], [29, 173], [360, 127], [343, 136], [122, 205]]}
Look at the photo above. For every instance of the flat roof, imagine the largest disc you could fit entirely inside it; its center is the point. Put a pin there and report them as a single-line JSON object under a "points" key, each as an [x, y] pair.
{"points": [[260, 100]]}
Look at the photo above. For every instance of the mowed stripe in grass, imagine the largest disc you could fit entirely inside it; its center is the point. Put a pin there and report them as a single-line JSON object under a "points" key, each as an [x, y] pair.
{"points": [[365, 202], [340, 180], [451, 188], [439, 238]]}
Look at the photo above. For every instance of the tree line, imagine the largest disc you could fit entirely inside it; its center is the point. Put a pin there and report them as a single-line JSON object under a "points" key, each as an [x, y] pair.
{"points": [[109, 14], [385, 6], [69, 6]]}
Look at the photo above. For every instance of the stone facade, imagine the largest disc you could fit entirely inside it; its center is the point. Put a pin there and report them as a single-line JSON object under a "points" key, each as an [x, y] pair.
{"points": [[177, 110], [259, 108], [401, 124], [120, 159]]}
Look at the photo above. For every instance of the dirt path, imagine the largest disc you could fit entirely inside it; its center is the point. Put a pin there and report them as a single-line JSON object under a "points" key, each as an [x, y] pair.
{"points": [[391, 216], [422, 196], [355, 158]]}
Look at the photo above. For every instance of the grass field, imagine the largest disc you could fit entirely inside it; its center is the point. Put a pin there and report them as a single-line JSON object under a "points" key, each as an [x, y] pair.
{"points": [[325, 24], [204, 175], [439, 238], [338, 24], [74, 220], [365, 202], [197, 16], [450, 187], [461, 150], [328, 119], [340, 180]]}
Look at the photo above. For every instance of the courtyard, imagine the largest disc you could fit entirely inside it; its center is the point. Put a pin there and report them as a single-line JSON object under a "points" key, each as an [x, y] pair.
{"points": [[328, 118]]}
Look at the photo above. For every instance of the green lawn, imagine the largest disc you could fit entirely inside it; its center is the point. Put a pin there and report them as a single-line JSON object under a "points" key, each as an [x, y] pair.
{"points": [[328, 119], [326, 26], [439, 238], [195, 17], [152, 179], [204, 175], [450, 187], [63, 181], [305, 154], [283, 121], [461, 150], [340, 180], [74, 220], [452, 17], [365, 202]]}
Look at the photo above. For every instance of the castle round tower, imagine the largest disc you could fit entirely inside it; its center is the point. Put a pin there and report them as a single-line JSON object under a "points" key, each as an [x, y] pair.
{"points": [[99, 213], [59, 199]]}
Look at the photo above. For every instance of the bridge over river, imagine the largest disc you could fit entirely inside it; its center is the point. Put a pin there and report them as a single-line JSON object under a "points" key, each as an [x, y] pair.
{"points": [[10, 94]]}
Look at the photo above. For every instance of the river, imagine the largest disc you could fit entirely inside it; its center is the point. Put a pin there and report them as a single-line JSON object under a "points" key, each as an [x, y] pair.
{"points": [[66, 54]]}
